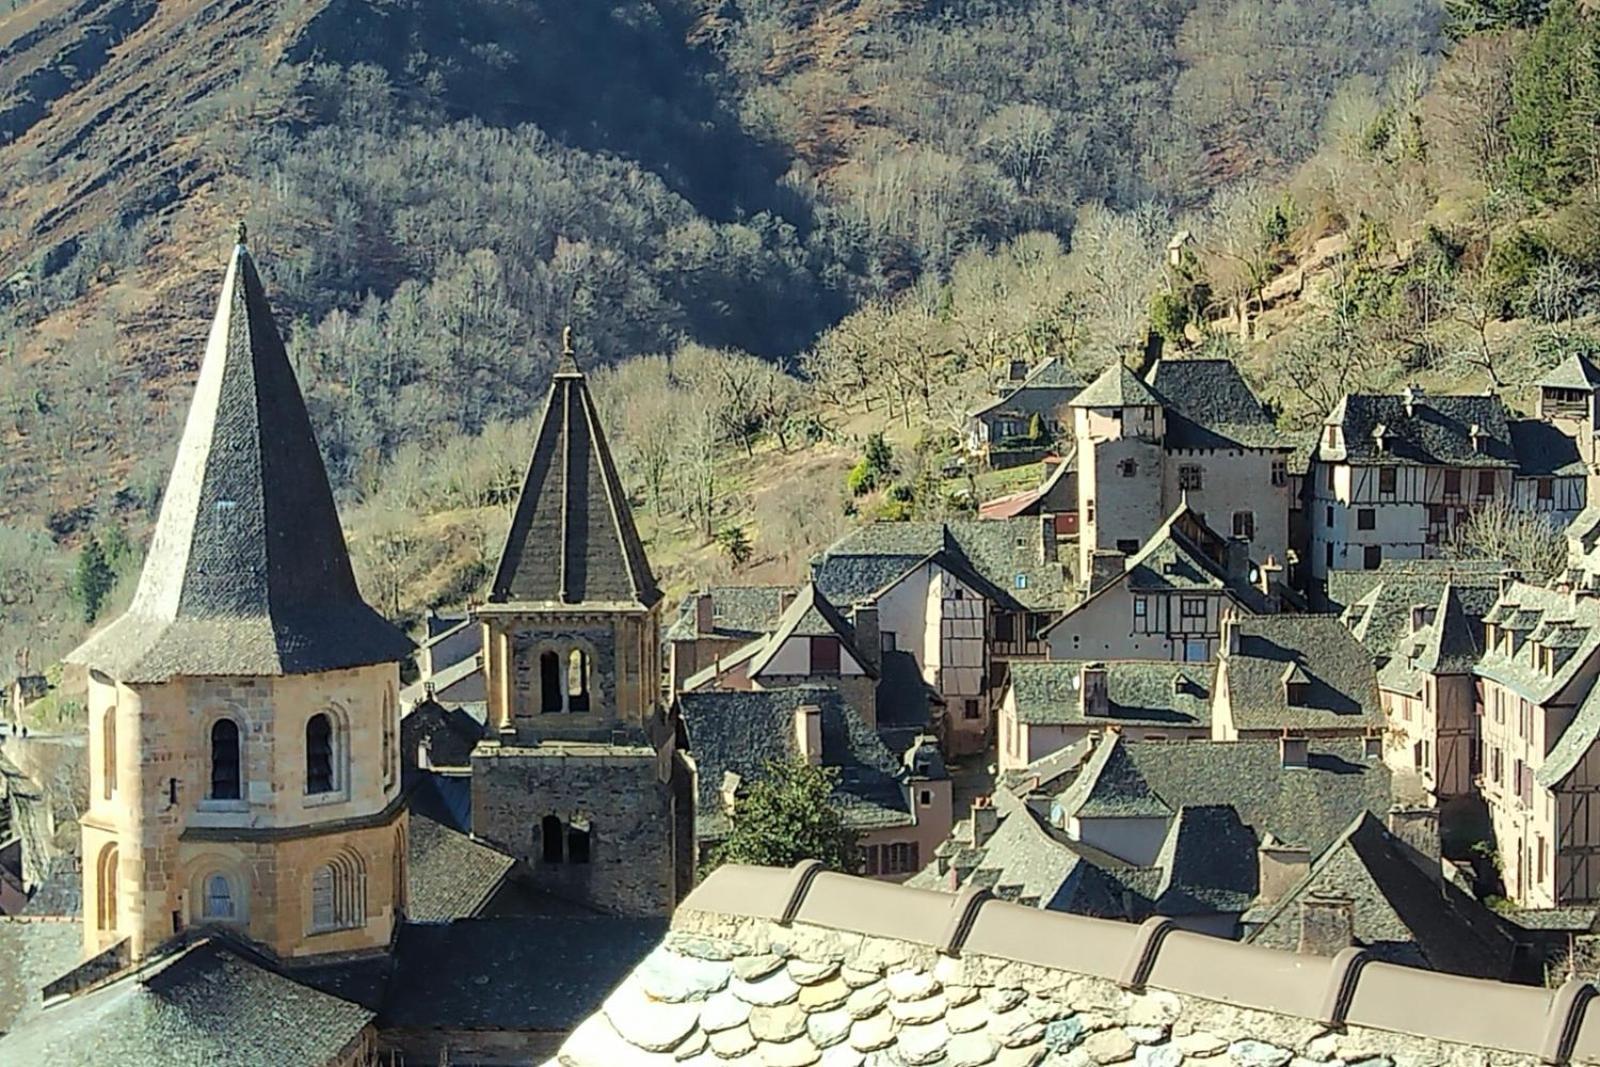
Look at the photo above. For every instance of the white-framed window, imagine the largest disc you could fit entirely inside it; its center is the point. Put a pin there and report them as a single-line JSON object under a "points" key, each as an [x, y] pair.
{"points": [[1192, 607], [1141, 607]]}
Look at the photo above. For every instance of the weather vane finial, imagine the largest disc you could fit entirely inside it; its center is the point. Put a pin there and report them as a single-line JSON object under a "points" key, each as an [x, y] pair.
{"points": [[243, 232], [566, 340]]}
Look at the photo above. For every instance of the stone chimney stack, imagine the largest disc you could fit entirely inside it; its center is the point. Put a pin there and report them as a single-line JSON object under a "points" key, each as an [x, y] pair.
{"points": [[1418, 826], [1047, 539], [1294, 751], [1238, 562], [1230, 632], [1327, 924], [1279, 868], [1411, 396], [985, 820], [1267, 576], [1092, 689], [785, 598], [704, 614], [808, 733], [868, 639], [1105, 566]]}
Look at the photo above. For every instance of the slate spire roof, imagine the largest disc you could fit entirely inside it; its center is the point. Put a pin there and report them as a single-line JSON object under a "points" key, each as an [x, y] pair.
{"points": [[1453, 646], [248, 573], [572, 539], [1117, 386]]}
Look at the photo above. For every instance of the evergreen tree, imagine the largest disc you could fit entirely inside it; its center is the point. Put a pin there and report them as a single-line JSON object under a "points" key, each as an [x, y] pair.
{"points": [[1466, 17], [735, 544], [93, 579], [1554, 128], [788, 816], [879, 457]]}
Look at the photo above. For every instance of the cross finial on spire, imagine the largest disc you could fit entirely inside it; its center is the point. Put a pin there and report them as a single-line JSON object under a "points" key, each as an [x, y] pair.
{"points": [[569, 363], [243, 233]]}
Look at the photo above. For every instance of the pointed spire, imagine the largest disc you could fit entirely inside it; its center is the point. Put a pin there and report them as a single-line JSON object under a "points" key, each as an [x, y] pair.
{"points": [[1452, 646], [572, 539], [248, 573]]}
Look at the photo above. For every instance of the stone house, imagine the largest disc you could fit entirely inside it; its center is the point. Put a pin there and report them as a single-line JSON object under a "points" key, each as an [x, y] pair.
{"points": [[1045, 392], [1167, 600], [1429, 699], [1394, 477], [964, 598], [1053, 705], [1299, 676], [714, 622], [1567, 401], [1538, 719], [859, 969], [1192, 433], [899, 806]]}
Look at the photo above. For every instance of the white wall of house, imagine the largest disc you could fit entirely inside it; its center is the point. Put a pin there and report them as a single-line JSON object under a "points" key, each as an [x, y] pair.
{"points": [[1137, 841], [794, 658], [1169, 626], [941, 622], [1559, 499]]}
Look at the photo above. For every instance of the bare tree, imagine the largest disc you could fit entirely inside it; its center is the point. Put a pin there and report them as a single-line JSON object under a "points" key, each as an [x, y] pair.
{"points": [[1524, 541]]}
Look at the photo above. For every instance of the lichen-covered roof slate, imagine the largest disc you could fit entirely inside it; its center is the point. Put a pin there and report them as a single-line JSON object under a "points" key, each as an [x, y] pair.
{"points": [[449, 875], [1378, 603], [247, 573], [744, 730], [736, 611], [1208, 863], [32, 955], [1209, 406], [1544, 451], [1116, 387], [1521, 609], [205, 1005], [1343, 690], [1140, 693], [1437, 432], [1574, 372], [572, 537]]}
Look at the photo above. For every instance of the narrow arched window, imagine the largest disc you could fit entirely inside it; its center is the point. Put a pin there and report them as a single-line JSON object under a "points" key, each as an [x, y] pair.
{"points": [[218, 902], [322, 898], [578, 680], [339, 893], [108, 753], [551, 832], [319, 754], [549, 682], [225, 760], [106, 898], [578, 841], [390, 748]]}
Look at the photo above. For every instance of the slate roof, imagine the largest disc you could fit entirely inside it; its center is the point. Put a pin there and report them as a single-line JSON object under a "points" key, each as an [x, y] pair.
{"points": [[1541, 618], [1208, 863], [1184, 554], [572, 539], [1117, 387], [1402, 912], [1343, 690], [203, 1003], [247, 572], [449, 875], [1380, 602], [32, 955], [450, 733], [525, 974], [1576, 741], [743, 730], [1574, 372], [1436, 433], [1307, 806], [1209, 406], [737, 611], [810, 615], [1544, 451], [1140, 693], [1051, 375], [1453, 642]]}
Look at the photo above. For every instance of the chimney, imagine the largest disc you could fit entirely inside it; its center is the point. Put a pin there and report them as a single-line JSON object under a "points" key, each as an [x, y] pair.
{"points": [[985, 820], [1017, 371], [1477, 436], [1411, 396], [1280, 868], [425, 754], [808, 733], [1105, 566], [704, 614], [1418, 827], [729, 790], [1047, 538], [1092, 689], [1230, 632], [1327, 924], [1267, 576], [785, 598], [1238, 560], [1380, 436], [868, 639], [1508, 577], [1293, 751]]}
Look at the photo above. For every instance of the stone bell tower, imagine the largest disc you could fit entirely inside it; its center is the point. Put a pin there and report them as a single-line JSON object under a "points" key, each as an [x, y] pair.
{"points": [[583, 781], [244, 765]]}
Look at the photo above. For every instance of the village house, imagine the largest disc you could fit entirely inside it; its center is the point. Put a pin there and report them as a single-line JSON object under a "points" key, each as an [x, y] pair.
{"points": [[900, 807], [1191, 434], [1539, 718], [1382, 607], [1168, 600], [963, 597], [1293, 676], [1056, 494], [716, 621], [1395, 477], [1568, 401], [1053, 705], [1429, 699], [1042, 393]]}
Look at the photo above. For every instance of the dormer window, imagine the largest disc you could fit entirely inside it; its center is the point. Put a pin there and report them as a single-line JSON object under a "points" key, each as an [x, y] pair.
{"points": [[1296, 686]]}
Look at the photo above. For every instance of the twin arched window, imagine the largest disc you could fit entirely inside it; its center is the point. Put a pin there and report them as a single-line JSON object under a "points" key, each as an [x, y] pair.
{"points": [[339, 893], [565, 842], [564, 686], [225, 767], [319, 754]]}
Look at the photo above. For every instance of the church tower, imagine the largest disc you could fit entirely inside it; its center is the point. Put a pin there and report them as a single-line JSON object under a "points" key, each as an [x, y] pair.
{"points": [[242, 713], [583, 780]]}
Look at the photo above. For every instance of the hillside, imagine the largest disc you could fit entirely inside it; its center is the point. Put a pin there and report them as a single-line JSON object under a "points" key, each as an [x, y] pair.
{"points": [[435, 190]]}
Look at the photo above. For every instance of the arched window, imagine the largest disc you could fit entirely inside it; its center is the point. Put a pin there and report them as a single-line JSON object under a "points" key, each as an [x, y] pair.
{"points": [[577, 680], [218, 901], [339, 893], [106, 884], [108, 754], [549, 682], [551, 832], [578, 841], [390, 749], [225, 760], [319, 754]]}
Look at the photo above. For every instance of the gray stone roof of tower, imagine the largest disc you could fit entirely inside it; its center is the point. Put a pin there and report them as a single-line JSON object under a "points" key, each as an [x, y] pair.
{"points": [[741, 731], [1209, 405], [1140, 693], [572, 538], [203, 1002], [1453, 645], [1343, 686], [1436, 432], [1403, 913], [247, 573]]}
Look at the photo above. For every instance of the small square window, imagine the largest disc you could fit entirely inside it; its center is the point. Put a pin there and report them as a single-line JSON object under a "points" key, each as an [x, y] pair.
{"points": [[1371, 557], [1452, 483], [1486, 483], [1280, 473], [1244, 525], [1366, 519], [1141, 607], [1193, 607], [1191, 476], [1022, 581], [1546, 489], [970, 710], [1129, 468], [1329, 516], [1387, 479]]}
